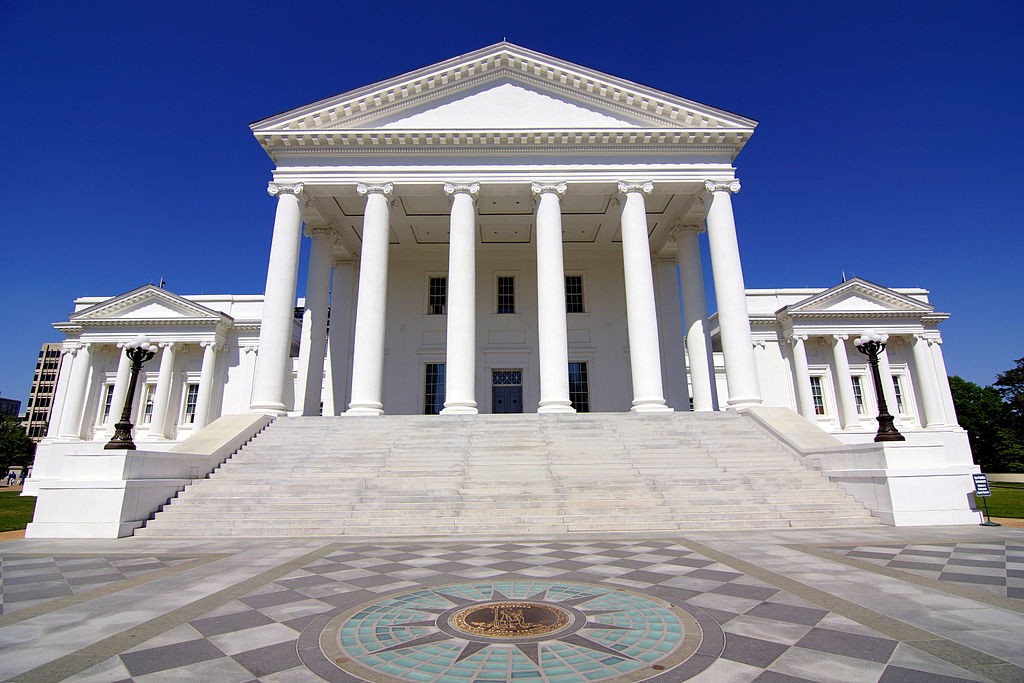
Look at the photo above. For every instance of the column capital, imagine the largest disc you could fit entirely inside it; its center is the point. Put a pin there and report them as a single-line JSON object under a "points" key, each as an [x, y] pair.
{"points": [[548, 188], [278, 189], [215, 345], [384, 189], [757, 343], [72, 348], [250, 348], [453, 189], [169, 345], [840, 337], [646, 187], [730, 186], [794, 338], [319, 231], [681, 229]]}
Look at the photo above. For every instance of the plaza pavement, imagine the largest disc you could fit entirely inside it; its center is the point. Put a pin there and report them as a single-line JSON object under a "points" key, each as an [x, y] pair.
{"points": [[853, 604]]}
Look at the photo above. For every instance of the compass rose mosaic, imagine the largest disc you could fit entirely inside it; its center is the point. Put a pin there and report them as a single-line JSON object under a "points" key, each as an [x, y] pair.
{"points": [[484, 632]]}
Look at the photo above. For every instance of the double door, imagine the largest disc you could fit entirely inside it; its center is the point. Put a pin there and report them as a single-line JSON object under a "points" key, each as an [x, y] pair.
{"points": [[507, 390]]}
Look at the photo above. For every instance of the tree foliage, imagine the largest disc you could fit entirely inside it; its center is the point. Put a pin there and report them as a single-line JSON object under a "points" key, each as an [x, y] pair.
{"points": [[16, 449], [995, 431], [1010, 385]]}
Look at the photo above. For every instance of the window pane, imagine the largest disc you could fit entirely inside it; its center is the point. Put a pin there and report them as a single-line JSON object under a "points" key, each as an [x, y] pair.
{"points": [[899, 394], [858, 394], [506, 294], [147, 404], [437, 293], [579, 387], [108, 397], [191, 397], [816, 396], [574, 294], [433, 395]]}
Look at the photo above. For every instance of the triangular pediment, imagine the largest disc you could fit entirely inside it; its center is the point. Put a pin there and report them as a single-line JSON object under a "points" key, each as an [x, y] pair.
{"points": [[148, 304], [858, 296], [502, 87]]}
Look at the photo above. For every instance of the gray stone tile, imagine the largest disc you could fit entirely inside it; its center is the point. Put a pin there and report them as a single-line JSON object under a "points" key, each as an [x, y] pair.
{"points": [[268, 660], [744, 591], [825, 667], [169, 656], [849, 644], [238, 621], [791, 613], [253, 638], [223, 670], [753, 651], [898, 674], [783, 632], [276, 598]]}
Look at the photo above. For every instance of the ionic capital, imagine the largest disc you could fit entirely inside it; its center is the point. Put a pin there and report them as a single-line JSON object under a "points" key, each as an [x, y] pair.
{"points": [[794, 338], [169, 345], [646, 187], [548, 188], [840, 337], [730, 186], [72, 348], [385, 189], [681, 229], [215, 345], [757, 343], [277, 189], [318, 231], [451, 189], [250, 348]]}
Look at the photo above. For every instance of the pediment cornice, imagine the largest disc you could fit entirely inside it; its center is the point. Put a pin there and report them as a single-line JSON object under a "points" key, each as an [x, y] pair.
{"points": [[880, 302], [111, 312], [350, 121]]}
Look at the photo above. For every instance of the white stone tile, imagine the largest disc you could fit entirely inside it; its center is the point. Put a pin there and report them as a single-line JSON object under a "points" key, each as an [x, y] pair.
{"points": [[252, 638]]}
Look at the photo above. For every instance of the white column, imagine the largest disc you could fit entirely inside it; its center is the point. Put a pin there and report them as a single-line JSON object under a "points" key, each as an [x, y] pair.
{"points": [[339, 337], [60, 391], [641, 311], [272, 364], [313, 343], [942, 379], [552, 337], [733, 319], [371, 305], [888, 388], [695, 310], [924, 380], [206, 376], [670, 324], [74, 401], [124, 373], [848, 416], [802, 377], [460, 358], [162, 396], [247, 355]]}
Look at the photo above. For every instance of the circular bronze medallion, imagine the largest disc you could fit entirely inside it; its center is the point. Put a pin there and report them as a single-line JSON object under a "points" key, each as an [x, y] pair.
{"points": [[512, 619]]}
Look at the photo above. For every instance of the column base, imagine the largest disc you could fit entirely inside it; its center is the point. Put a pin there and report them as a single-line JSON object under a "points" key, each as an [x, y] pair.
{"points": [[744, 401], [460, 409], [650, 408], [365, 409], [272, 409], [556, 407]]}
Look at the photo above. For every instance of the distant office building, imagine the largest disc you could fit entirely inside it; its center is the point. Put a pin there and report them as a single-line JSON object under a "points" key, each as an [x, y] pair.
{"points": [[8, 406], [40, 398]]}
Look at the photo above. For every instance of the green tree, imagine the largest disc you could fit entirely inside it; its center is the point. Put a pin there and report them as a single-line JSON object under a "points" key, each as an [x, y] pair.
{"points": [[16, 449], [991, 426], [1010, 385]]}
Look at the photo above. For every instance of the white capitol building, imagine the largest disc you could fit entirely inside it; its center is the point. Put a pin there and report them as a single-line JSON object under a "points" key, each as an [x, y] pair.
{"points": [[502, 232]]}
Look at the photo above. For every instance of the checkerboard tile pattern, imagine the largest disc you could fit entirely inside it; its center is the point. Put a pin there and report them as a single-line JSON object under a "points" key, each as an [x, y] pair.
{"points": [[770, 634], [995, 566], [28, 581]]}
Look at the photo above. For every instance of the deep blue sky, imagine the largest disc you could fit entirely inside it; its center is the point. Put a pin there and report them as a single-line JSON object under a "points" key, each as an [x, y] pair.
{"points": [[886, 148]]}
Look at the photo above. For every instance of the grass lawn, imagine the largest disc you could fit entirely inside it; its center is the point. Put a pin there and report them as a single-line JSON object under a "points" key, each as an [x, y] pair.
{"points": [[1007, 500], [15, 510]]}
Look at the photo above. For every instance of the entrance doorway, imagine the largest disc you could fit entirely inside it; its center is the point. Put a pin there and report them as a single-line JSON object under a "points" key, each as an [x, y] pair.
{"points": [[507, 390]]}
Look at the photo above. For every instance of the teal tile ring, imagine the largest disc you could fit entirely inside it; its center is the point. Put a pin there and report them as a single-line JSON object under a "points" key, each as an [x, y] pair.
{"points": [[514, 630]]}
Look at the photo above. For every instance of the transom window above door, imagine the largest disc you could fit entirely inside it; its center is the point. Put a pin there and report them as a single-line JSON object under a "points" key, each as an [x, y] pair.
{"points": [[506, 377]]}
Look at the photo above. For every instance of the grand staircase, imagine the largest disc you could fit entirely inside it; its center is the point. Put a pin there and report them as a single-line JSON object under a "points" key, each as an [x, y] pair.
{"points": [[506, 474]]}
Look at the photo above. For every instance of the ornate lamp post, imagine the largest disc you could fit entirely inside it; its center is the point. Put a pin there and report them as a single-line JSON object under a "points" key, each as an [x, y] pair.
{"points": [[871, 344], [139, 350]]}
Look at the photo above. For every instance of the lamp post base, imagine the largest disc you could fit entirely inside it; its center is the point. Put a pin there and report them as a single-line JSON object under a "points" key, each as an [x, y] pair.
{"points": [[122, 438]]}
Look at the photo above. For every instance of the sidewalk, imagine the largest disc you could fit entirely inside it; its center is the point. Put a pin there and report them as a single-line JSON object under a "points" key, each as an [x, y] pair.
{"points": [[855, 604]]}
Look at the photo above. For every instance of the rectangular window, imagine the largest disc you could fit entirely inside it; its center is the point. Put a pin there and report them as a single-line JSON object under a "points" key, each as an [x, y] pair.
{"points": [[433, 392], [574, 294], [191, 398], [506, 294], [108, 398], [817, 397], [437, 295], [147, 404], [858, 393], [579, 387], [898, 388]]}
